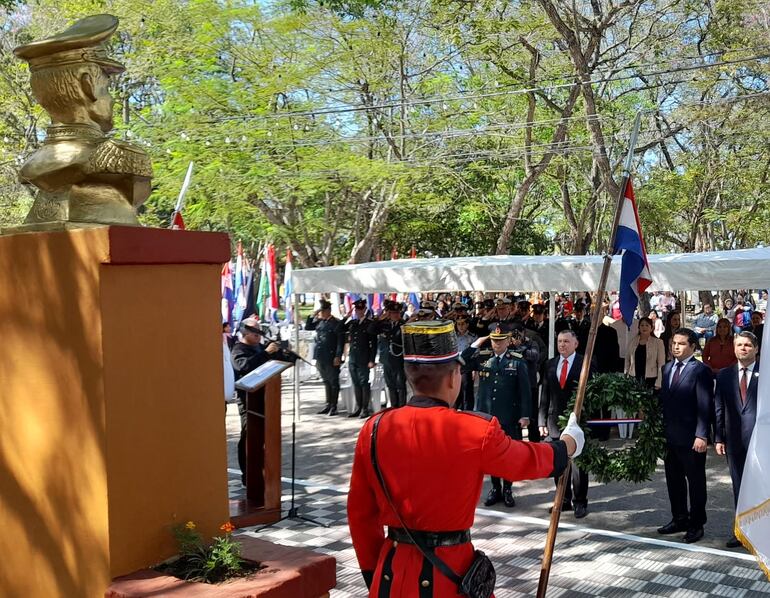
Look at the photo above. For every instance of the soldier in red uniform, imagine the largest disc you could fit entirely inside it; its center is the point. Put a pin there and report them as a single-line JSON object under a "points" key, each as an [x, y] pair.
{"points": [[433, 460]]}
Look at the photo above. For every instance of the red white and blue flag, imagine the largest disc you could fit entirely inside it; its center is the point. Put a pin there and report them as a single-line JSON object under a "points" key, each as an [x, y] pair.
{"points": [[634, 270], [227, 294]]}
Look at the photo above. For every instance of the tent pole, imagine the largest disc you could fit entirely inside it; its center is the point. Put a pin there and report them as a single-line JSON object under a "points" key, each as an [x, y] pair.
{"points": [[551, 324], [296, 348]]}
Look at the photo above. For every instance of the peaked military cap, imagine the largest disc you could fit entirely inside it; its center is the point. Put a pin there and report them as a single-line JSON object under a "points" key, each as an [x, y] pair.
{"points": [[431, 341], [81, 42], [359, 303], [324, 304], [499, 334]]}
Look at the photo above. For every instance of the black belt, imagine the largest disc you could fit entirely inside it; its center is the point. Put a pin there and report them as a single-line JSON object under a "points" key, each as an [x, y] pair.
{"points": [[430, 539]]}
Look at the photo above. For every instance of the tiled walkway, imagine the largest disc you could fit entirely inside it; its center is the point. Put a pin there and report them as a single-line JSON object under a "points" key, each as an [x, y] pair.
{"points": [[609, 553]]}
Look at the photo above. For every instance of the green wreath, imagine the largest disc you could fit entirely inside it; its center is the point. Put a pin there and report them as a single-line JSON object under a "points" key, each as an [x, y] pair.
{"points": [[634, 463]]}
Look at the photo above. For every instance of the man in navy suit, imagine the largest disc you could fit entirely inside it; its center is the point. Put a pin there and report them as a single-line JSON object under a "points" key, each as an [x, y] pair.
{"points": [[559, 384], [736, 409], [686, 397]]}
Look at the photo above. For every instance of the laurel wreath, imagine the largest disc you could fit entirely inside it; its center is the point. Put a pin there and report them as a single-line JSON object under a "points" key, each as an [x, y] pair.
{"points": [[635, 463]]}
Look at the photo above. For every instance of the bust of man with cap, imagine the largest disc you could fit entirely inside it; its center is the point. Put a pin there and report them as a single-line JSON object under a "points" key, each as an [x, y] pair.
{"points": [[84, 177], [421, 450]]}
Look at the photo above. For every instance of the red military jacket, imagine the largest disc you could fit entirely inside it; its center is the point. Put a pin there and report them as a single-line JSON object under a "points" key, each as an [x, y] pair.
{"points": [[433, 459]]}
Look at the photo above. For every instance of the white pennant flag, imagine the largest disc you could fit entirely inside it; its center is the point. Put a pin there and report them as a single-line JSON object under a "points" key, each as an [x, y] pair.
{"points": [[752, 520]]}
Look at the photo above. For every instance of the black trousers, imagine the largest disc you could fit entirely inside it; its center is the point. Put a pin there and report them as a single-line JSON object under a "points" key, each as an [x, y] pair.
{"points": [[465, 400], [576, 490], [686, 474], [244, 432], [514, 432], [395, 380], [533, 430], [330, 374], [736, 461]]}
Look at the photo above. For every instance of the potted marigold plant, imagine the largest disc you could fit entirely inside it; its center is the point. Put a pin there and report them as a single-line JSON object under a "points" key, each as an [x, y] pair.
{"points": [[207, 562], [231, 566]]}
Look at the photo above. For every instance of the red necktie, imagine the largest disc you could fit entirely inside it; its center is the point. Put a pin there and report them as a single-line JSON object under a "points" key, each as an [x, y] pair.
{"points": [[563, 375], [744, 384]]}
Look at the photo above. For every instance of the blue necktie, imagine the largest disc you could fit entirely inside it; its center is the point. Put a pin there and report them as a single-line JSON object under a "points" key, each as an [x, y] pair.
{"points": [[677, 373]]}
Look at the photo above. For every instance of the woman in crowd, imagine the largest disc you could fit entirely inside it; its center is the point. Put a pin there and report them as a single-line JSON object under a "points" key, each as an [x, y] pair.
{"points": [[673, 322], [657, 325], [644, 359], [719, 352]]}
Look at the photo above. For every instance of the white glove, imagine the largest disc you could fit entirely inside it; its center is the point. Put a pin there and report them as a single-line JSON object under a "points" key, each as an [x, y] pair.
{"points": [[576, 433]]}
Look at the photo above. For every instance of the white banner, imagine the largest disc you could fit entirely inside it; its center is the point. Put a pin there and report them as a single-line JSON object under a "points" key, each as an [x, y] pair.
{"points": [[752, 521]]}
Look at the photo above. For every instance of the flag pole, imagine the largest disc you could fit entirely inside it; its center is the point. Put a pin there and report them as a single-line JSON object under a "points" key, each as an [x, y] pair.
{"points": [[180, 199], [550, 541]]}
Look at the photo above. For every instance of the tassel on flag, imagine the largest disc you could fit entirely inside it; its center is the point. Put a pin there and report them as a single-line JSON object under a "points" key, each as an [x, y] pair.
{"points": [[634, 270], [413, 252], [394, 253]]}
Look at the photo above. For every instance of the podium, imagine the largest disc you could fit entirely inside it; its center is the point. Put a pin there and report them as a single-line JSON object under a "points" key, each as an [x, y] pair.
{"points": [[263, 446]]}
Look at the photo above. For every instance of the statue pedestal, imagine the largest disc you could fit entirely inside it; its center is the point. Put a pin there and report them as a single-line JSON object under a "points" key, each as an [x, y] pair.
{"points": [[111, 394]]}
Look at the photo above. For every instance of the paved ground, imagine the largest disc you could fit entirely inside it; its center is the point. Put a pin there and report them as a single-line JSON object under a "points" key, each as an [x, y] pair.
{"points": [[615, 551]]}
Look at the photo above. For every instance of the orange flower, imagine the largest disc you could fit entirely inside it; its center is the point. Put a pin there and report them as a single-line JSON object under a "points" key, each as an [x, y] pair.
{"points": [[227, 527]]}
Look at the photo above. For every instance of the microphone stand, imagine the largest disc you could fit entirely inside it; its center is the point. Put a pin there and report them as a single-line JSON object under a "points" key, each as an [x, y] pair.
{"points": [[293, 514]]}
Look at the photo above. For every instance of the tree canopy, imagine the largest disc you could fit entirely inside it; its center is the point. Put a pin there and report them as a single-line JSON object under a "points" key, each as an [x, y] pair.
{"points": [[344, 129]]}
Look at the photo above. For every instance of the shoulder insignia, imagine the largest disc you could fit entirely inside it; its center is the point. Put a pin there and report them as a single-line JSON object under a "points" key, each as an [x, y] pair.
{"points": [[485, 352], [482, 415], [516, 355], [120, 158]]}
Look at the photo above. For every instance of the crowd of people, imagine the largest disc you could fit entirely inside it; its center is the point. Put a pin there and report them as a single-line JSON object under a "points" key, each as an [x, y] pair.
{"points": [[698, 372]]}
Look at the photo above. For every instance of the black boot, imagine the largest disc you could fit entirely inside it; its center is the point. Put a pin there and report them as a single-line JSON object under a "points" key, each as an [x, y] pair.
{"points": [[325, 410], [508, 497], [494, 497], [357, 392], [366, 401], [333, 402]]}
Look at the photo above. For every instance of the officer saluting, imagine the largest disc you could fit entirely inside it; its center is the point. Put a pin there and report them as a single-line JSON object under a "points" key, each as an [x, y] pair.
{"points": [[329, 344], [504, 391], [362, 352], [424, 446], [388, 326]]}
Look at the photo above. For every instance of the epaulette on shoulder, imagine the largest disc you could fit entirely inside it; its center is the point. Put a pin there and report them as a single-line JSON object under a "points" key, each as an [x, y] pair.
{"points": [[480, 414], [515, 354], [485, 351]]}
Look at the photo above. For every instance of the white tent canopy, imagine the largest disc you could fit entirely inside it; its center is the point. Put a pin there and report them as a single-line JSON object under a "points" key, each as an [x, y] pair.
{"points": [[738, 269]]}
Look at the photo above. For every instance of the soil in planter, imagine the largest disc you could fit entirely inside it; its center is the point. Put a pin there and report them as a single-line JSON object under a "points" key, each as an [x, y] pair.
{"points": [[180, 568]]}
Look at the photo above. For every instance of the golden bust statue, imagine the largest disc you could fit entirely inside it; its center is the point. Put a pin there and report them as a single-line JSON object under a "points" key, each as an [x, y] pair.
{"points": [[84, 177]]}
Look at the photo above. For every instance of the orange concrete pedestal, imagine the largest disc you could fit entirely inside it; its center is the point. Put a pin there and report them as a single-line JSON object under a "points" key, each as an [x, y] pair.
{"points": [[111, 403]]}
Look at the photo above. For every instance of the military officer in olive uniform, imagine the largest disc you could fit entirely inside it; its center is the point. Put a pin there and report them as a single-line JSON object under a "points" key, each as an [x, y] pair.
{"points": [[504, 392], [362, 351], [388, 327], [329, 344]]}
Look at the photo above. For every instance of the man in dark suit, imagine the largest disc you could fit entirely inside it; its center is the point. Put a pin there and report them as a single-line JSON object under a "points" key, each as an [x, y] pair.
{"points": [[736, 409], [560, 382], [686, 397]]}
